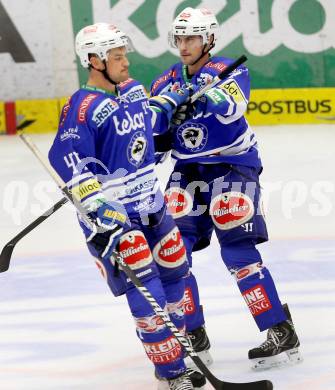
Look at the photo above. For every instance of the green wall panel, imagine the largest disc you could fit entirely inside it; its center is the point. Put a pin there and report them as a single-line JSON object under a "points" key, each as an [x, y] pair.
{"points": [[281, 67]]}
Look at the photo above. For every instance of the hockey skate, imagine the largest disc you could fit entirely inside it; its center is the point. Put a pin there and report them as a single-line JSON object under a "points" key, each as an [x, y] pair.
{"points": [[182, 382], [198, 380], [201, 345], [280, 348]]}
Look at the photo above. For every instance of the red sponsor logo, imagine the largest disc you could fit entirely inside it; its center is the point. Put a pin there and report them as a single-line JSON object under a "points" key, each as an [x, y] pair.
{"points": [[178, 201], [84, 105], [170, 252], [163, 78], [134, 249], [65, 111], [90, 29], [231, 209], [185, 15], [219, 66], [163, 352], [150, 324], [102, 268], [257, 300], [242, 273], [189, 305], [125, 83]]}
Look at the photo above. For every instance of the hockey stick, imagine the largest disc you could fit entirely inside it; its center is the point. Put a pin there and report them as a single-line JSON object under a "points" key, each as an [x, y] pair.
{"points": [[217, 383], [7, 251], [219, 77]]}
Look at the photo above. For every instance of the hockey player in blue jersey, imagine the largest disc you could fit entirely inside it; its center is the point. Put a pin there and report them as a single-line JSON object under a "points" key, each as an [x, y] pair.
{"points": [[104, 152], [215, 185]]}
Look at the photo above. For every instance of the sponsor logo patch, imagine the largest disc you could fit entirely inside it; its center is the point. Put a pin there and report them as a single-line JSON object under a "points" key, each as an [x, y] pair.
{"points": [[219, 66], [72, 132], [170, 252], [134, 250], [135, 94], [257, 300], [84, 105], [178, 201], [233, 90], [151, 324], [216, 95], [193, 136], [163, 352], [189, 302], [86, 188], [65, 111], [162, 79], [176, 309], [137, 148], [104, 110], [231, 209]]}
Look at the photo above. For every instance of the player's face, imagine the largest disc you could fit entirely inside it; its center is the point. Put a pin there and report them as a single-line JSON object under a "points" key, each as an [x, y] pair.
{"points": [[190, 48], [118, 64]]}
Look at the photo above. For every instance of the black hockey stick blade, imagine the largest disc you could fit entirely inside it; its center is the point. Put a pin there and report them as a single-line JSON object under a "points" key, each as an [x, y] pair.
{"points": [[223, 385], [257, 385], [7, 251], [25, 123]]}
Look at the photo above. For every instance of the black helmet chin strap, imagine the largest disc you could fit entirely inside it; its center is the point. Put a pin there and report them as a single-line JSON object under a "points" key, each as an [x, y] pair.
{"points": [[104, 72], [204, 52]]}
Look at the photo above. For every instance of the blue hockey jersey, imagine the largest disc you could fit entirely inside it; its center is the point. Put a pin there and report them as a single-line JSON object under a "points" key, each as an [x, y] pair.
{"points": [[104, 147], [218, 130]]}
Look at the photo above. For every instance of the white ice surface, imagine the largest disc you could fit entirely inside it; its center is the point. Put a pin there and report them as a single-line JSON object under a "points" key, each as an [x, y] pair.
{"points": [[61, 328]]}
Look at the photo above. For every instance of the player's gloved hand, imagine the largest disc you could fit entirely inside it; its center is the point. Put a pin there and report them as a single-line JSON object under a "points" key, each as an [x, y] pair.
{"points": [[169, 101], [182, 114], [109, 219]]}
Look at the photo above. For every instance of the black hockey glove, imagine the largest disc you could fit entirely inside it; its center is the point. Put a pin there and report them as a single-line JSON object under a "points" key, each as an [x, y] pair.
{"points": [[182, 114]]}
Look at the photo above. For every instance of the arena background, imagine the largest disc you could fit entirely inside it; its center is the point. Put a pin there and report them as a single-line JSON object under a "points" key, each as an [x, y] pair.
{"points": [[60, 327], [289, 44]]}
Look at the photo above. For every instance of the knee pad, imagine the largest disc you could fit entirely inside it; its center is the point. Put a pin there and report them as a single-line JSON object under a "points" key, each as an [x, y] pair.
{"points": [[170, 256]]}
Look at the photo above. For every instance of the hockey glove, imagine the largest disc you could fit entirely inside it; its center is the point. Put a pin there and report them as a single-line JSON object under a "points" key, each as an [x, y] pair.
{"points": [[169, 101], [109, 219], [182, 114]]}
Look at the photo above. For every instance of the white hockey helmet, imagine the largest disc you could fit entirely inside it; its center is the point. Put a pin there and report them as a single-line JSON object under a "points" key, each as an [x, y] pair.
{"points": [[98, 39], [193, 21]]}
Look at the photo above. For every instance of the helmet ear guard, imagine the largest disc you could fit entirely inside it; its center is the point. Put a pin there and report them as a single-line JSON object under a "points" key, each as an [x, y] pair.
{"points": [[98, 39]]}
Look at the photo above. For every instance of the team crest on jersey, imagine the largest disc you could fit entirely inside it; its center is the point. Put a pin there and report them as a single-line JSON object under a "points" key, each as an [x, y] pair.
{"points": [[178, 201], [137, 148], [204, 79], [170, 252], [134, 250], [193, 136], [231, 209]]}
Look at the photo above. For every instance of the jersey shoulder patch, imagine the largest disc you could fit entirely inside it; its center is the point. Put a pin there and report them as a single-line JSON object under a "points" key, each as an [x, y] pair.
{"points": [[163, 79]]}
